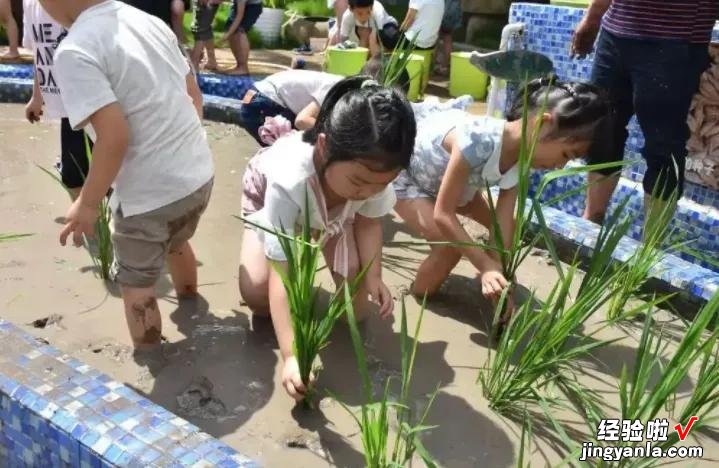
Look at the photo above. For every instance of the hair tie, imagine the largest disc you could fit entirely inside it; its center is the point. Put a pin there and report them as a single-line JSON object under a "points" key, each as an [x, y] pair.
{"points": [[369, 82]]}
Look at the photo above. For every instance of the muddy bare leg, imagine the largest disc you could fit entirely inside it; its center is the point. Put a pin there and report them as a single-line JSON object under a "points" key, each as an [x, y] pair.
{"points": [[143, 317], [183, 269]]}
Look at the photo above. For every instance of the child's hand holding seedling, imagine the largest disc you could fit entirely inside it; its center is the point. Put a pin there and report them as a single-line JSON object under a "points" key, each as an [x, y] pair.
{"points": [[292, 379], [493, 281]]}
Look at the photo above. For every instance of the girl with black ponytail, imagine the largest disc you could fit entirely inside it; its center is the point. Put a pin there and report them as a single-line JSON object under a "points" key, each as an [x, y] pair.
{"points": [[363, 138], [458, 154]]}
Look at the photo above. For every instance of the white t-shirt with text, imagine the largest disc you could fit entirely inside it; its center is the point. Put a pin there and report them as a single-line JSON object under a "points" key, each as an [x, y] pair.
{"points": [[296, 89], [427, 22], [114, 53], [42, 35]]}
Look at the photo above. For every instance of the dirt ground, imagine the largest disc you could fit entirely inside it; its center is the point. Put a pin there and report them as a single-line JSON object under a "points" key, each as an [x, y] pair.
{"points": [[222, 367]]}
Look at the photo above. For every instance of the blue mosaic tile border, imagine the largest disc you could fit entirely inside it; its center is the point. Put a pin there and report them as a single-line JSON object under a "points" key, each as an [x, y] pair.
{"points": [[695, 281], [233, 87], [57, 411], [693, 221], [549, 30]]}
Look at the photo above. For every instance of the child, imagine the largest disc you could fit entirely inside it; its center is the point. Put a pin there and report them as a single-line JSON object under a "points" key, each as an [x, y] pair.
{"points": [[42, 35], [7, 20], [203, 16], [422, 23], [339, 7], [366, 23], [123, 77], [294, 94], [457, 154], [243, 16], [451, 21], [177, 15], [363, 137]]}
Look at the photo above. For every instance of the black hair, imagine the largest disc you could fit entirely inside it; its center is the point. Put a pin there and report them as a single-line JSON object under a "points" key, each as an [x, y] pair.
{"points": [[360, 3], [581, 110], [363, 120], [374, 69]]}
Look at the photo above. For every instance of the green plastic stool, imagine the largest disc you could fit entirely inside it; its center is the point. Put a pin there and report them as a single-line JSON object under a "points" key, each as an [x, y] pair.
{"points": [[415, 70], [571, 3], [427, 56], [465, 78], [345, 62]]}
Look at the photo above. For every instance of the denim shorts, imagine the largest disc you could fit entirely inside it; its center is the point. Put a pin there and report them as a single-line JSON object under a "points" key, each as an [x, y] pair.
{"points": [[253, 113], [252, 12]]}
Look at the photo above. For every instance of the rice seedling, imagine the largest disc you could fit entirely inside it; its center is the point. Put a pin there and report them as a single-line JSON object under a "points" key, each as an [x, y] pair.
{"points": [[374, 415], [647, 256], [310, 325], [395, 63], [534, 354], [643, 395], [100, 248], [4, 237]]}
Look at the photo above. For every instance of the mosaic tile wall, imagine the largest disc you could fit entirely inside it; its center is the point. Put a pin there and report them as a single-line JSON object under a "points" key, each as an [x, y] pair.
{"points": [[56, 411], [549, 31]]}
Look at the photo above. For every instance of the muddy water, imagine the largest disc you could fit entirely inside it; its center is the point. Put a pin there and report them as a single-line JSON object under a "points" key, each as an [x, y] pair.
{"points": [[220, 367]]}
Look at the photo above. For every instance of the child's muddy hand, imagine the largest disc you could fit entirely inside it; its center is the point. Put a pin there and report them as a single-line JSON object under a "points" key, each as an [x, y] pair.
{"points": [[292, 381], [33, 110], [381, 295], [493, 283], [80, 219]]}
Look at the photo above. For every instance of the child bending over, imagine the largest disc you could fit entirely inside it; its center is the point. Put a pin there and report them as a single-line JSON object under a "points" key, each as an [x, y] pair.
{"points": [[367, 24], [243, 16], [123, 78], [363, 137], [294, 94], [457, 154]]}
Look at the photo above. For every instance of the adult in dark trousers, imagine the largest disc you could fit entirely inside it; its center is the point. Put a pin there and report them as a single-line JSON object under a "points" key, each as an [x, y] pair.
{"points": [[649, 57]]}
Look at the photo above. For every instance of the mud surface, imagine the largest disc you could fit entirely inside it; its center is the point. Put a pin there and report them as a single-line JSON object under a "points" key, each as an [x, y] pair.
{"points": [[219, 367]]}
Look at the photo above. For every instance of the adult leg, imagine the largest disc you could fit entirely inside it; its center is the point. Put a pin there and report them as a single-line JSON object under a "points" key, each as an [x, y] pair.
{"points": [[254, 274], [13, 34], [419, 215], [661, 71], [609, 73]]}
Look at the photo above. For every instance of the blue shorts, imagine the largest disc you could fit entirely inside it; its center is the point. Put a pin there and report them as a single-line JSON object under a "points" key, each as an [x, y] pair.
{"points": [[253, 113], [252, 12]]}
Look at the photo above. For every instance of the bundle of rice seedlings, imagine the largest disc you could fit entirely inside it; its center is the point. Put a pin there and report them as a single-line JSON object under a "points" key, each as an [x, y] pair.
{"points": [[395, 63], [539, 349], [311, 326], [374, 416], [643, 396], [100, 248]]}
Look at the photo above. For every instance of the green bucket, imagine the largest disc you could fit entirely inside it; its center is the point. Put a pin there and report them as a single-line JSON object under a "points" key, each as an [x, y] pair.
{"points": [[427, 56], [571, 3], [465, 78], [415, 70], [345, 62]]}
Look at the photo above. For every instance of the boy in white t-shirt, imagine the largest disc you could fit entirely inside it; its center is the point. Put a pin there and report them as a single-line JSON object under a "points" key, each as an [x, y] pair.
{"points": [[42, 34], [294, 94], [124, 78], [367, 24], [422, 23]]}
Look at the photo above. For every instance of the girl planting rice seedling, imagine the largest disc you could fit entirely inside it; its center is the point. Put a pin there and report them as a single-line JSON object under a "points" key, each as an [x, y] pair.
{"points": [[458, 155], [363, 137]]}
